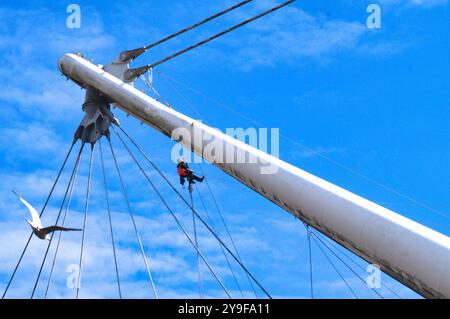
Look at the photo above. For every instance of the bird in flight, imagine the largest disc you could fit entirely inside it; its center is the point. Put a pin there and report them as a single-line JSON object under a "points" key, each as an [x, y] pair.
{"points": [[36, 224]]}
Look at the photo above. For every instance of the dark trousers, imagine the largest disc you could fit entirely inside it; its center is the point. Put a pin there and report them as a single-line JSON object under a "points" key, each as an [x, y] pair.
{"points": [[190, 177]]}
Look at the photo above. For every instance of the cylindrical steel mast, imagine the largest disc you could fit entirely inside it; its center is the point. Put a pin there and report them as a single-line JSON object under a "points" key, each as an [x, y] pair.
{"points": [[415, 255]]}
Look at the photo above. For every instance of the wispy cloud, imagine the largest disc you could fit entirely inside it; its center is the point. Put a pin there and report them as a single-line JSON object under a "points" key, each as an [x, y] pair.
{"points": [[291, 35]]}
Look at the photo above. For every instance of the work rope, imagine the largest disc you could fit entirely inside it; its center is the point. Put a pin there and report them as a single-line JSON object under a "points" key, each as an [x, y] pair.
{"points": [[335, 268], [74, 171], [199, 271], [170, 57], [60, 233], [173, 214], [130, 211], [86, 208], [42, 211], [221, 248], [311, 286], [196, 24], [105, 186], [190, 207]]}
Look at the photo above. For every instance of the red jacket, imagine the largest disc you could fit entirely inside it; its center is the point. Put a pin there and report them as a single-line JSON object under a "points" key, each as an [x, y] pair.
{"points": [[182, 171]]}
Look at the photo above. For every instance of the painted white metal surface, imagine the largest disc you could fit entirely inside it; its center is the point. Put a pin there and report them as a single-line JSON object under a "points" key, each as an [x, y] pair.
{"points": [[417, 256]]}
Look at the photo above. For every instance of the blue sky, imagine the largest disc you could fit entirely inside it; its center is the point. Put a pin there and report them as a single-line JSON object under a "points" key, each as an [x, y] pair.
{"points": [[374, 101]]}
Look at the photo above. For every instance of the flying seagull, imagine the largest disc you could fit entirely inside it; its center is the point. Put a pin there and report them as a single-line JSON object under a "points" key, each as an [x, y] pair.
{"points": [[36, 224]]}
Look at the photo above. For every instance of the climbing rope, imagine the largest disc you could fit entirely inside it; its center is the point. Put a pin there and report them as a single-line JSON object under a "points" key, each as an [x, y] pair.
{"points": [[60, 233], [86, 207], [74, 171], [190, 207], [147, 266], [173, 214], [308, 234], [105, 186], [199, 271], [42, 211]]}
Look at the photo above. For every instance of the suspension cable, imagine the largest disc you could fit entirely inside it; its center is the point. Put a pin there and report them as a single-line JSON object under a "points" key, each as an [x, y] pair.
{"points": [[152, 65], [42, 211], [86, 208], [308, 234], [154, 44], [221, 248], [105, 186], [74, 170], [335, 268], [141, 246], [193, 210], [346, 265], [358, 265], [60, 233], [173, 214], [199, 271]]}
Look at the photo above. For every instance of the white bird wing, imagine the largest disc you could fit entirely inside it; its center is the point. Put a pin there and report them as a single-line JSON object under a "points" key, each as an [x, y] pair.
{"points": [[36, 220]]}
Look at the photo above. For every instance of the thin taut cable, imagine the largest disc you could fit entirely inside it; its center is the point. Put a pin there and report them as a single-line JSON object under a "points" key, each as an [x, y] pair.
{"points": [[74, 170], [335, 268], [42, 211], [346, 265], [60, 233], [105, 186], [200, 278], [86, 208], [308, 234], [141, 246], [338, 248]]}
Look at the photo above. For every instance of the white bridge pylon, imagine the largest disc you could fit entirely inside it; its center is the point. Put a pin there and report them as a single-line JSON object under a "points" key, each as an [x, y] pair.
{"points": [[415, 255]]}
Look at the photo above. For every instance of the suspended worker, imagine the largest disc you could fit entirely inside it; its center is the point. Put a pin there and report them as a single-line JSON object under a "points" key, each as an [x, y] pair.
{"points": [[185, 173]]}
